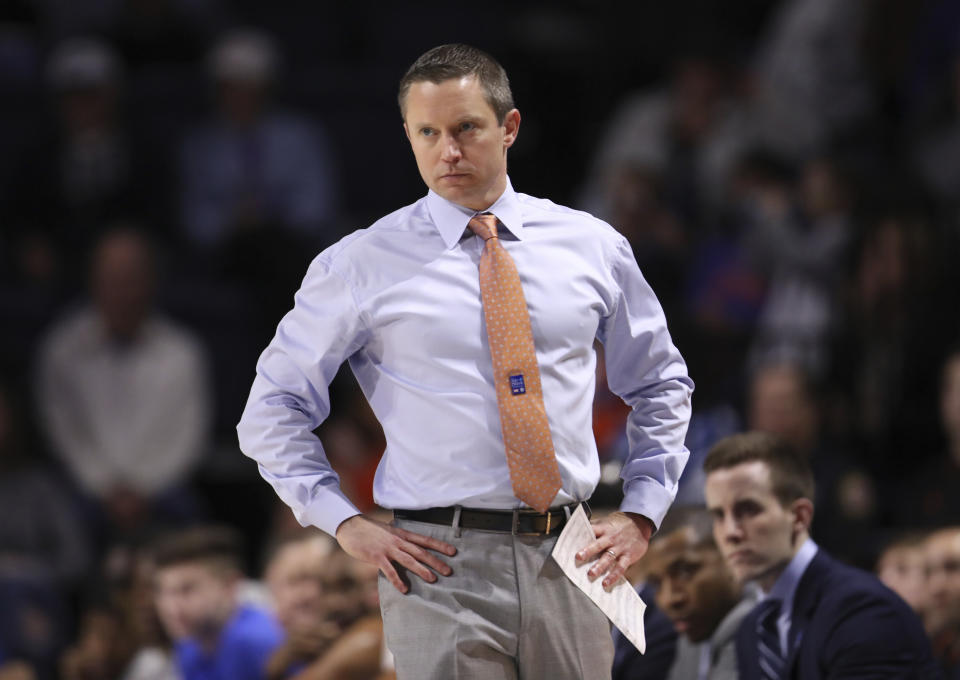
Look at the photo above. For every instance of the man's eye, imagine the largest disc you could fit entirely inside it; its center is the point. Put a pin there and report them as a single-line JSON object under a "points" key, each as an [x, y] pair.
{"points": [[466, 127], [427, 132]]}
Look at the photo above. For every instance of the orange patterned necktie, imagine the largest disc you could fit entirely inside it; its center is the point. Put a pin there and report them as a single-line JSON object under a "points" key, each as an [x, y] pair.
{"points": [[523, 419]]}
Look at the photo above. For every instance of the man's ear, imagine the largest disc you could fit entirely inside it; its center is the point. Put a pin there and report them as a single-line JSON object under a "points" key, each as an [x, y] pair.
{"points": [[406, 130], [802, 509], [511, 124]]}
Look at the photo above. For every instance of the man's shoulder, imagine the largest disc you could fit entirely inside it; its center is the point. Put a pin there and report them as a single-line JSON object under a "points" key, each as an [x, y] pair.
{"points": [[174, 337], [75, 331], [845, 601], [857, 621], [838, 583], [394, 226], [540, 212]]}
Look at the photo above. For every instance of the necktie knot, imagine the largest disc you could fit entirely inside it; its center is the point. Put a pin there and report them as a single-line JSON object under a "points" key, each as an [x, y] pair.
{"points": [[484, 226]]}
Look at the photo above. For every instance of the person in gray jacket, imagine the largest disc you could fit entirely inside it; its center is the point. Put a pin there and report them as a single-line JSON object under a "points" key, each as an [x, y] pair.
{"points": [[698, 593]]}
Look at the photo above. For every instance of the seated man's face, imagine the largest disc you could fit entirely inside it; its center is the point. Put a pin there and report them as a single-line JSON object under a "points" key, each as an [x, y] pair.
{"points": [[756, 534], [345, 589], [194, 599], [295, 580], [903, 569], [943, 580], [694, 587]]}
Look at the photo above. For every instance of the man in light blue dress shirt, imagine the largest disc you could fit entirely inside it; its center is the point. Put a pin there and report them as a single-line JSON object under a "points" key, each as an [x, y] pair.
{"points": [[474, 591]]}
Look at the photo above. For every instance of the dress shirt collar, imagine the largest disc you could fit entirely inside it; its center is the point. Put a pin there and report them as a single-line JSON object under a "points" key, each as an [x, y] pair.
{"points": [[451, 219], [785, 589], [786, 585]]}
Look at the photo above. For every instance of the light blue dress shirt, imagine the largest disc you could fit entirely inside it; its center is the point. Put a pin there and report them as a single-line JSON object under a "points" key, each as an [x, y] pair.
{"points": [[785, 588], [400, 301]]}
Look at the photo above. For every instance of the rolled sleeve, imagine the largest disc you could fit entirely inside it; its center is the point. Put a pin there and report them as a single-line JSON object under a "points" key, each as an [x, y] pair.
{"points": [[290, 398], [646, 370]]}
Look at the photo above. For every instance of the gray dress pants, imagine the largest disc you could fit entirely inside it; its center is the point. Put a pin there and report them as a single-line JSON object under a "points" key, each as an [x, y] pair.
{"points": [[506, 613]]}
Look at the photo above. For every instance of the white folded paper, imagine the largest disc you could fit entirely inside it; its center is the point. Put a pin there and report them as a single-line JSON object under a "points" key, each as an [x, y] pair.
{"points": [[621, 604]]}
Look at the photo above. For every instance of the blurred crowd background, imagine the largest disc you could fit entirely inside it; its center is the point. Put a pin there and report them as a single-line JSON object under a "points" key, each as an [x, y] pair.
{"points": [[786, 170]]}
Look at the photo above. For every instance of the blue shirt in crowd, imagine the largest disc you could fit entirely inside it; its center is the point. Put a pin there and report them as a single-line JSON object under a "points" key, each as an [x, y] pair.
{"points": [[245, 645]]}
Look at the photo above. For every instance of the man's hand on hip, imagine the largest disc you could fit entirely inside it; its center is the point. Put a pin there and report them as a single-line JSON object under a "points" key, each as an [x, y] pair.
{"points": [[383, 545], [622, 539]]}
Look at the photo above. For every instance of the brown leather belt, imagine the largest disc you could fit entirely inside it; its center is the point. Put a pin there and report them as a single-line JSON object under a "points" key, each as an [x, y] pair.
{"points": [[518, 522]]}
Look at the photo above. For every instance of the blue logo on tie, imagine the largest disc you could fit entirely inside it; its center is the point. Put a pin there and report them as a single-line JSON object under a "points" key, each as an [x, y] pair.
{"points": [[516, 384]]}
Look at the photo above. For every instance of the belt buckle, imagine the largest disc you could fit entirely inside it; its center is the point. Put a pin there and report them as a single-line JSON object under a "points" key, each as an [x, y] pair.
{"points": [[515, 526]]}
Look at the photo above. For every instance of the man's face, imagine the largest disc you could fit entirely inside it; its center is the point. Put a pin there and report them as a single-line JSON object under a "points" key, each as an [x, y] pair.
{"points": [[943, 579], [694, 587], [122, 284], [950, 398], [755, 533], [778, 405], [346, 589], [294, 579], [903, 569], [194, 599], [461, 149]]}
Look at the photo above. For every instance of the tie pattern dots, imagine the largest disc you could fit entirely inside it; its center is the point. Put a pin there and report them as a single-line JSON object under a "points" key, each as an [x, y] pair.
{"points": [[534, 472]]}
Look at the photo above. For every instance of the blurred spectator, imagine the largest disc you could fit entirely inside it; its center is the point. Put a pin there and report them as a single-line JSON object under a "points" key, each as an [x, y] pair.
{"points": [[932, 499], [123, 392], [943, 597], [120, 636], [16, 670], [39, 531], [354, 442], [252, 167], [699, 594], [92, 168], [810, 85], [800, 243], [936, 153], [342, 637], [294, 576], [259, 194], [784, 401], [197, 586], [902, 567], [688, 135], [44, 550], [892, 344]]}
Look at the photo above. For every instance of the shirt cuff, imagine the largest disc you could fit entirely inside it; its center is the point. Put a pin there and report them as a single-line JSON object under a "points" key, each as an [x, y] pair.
{"points": [[328, 511], [647, 497]]}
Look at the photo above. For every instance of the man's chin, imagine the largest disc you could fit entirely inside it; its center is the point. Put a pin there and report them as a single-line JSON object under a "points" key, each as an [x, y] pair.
{"points": [[748, 572]]}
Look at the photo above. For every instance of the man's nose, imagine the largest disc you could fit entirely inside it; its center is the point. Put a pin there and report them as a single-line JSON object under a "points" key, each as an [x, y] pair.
{"points": [[451, 150], [731, 530], [676, 598]]}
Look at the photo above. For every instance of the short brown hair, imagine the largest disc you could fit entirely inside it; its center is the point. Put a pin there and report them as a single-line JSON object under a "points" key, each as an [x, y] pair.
{"points": [[219, 546], [790, 472], [457, 61]]}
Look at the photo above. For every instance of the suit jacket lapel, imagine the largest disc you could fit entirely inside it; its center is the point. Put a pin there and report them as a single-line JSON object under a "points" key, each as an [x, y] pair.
{"points": [[809, 592], [747, 666]]}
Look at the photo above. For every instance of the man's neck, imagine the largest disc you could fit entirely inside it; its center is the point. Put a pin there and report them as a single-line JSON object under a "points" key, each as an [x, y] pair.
{"points": [[209, 637], [768, 580]]}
